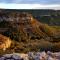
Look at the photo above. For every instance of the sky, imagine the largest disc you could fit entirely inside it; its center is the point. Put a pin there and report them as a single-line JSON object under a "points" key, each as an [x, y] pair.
{"points": [[30, 4], [31, 1]]}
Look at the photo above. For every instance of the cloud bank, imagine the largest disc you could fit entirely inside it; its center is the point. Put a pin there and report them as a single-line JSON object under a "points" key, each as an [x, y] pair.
{"points": [[29, 6]]}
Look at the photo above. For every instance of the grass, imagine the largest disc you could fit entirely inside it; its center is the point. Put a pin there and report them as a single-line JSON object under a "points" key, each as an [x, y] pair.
{"points": [[57, 27]]}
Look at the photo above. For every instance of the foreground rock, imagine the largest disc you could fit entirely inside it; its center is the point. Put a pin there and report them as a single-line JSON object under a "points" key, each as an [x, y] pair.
{"points": [[32, 56]]}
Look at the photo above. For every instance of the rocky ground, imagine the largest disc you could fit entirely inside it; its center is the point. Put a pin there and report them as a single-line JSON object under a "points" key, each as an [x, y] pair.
{"points": [[32, 56]]}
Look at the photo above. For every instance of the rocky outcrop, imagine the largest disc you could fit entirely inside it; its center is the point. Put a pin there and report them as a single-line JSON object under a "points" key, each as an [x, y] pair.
{"points": [[28, 25], [32, 56]]}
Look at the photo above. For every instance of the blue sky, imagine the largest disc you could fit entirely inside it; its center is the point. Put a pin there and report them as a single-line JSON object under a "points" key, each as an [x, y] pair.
{"points": [[32, 1]]}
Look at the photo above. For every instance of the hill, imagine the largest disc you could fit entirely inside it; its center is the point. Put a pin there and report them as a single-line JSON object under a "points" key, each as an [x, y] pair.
{"points": [[28, 33]]}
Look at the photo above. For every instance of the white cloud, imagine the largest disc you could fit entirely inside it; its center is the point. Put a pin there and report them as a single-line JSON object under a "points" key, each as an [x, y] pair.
{"points": [[28, 6]]}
